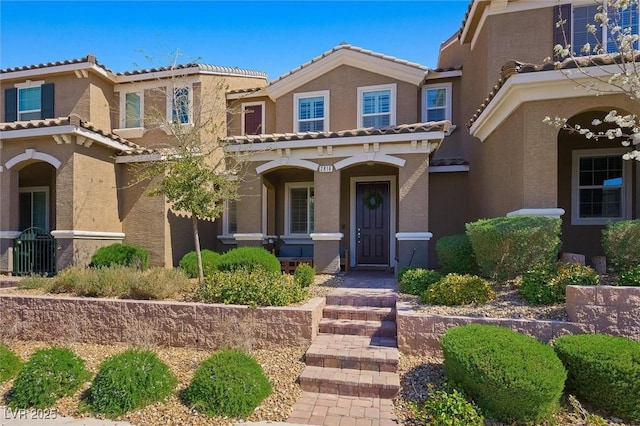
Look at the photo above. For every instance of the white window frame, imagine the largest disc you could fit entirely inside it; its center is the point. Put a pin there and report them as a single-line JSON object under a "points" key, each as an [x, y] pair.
{"points": [[603, 31], [626, 195], [226, 219], [31, 190], [288, 186], [392, 107], [170, 95], [123, 109], [303, 95], [27, 85], [247, 105], [425, 90]]}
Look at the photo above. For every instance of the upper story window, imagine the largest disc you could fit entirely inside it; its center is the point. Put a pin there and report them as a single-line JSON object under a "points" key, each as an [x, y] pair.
{"points": [[32, 100], [253, 118], [299, 210], [131, 108], [310, 111], [436, 101], [377, 106], [584, 16], [180, 105]]}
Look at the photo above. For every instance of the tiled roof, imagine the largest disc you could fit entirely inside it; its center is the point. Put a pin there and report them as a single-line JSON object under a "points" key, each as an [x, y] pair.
{"points": [[247, 91], [434, 126], [346, 46], [466, 17], [74, 120], [456, 68], [457, 161], [88, 58], [514, 67]]}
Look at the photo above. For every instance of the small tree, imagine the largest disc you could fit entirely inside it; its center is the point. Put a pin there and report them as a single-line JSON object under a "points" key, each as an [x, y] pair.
{"points": [[621, 51]]}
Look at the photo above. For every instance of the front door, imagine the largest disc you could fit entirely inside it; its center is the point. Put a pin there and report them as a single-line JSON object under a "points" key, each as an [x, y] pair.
{"points": [[372, 223]]}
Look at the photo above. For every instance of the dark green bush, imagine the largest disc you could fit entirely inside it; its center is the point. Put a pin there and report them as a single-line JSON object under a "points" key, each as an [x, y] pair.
{"points": [[630, 277], [546, 283], [255, 288], [416, 280], [10, 364], [447, 408], [455, 255], [512, 377], [620, 242], [49, 375], [604, 371], [189, 263], [121, 255], [456, 289], [505, 247], [304, 275], [229, 383], [249, 258], [129, 380]]}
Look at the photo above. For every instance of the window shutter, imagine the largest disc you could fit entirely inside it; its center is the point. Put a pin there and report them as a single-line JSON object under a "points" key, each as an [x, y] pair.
{"points": [[46, 94], [11, 105], [564, 11]]}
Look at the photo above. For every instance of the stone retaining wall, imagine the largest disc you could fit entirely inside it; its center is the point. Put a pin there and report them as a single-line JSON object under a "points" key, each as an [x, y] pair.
{"points": [[106, 321]]}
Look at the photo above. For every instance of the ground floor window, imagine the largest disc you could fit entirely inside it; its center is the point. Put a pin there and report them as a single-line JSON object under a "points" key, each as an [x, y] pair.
{"points": [[299, 211], [34, 208]]}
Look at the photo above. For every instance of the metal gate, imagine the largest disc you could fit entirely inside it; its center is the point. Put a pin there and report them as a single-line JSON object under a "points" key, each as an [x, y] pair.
{"points": [[34, 252]]}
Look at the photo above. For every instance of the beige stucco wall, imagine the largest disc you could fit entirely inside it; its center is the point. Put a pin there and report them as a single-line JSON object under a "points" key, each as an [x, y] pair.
{"points": [[234, 118], [102, 102]]}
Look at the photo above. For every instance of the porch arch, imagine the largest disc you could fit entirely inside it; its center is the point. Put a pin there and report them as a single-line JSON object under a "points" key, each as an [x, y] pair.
{"points": [[290, 162], [32, 154], [367, 157]]}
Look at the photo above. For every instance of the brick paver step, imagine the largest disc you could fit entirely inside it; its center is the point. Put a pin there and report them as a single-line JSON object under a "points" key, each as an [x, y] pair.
{"points": [[363, 297], [363, 383], [370, 313], [356, 352], [358, 327]]}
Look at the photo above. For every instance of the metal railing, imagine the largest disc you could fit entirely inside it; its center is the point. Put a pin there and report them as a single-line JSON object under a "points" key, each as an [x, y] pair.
{"points": [[34, 252]]}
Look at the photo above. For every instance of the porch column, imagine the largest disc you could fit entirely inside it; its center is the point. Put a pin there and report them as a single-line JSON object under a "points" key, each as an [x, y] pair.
{"points": [[540, 165], [249, 210], [326, 236], [413, 211], [64, 219]]}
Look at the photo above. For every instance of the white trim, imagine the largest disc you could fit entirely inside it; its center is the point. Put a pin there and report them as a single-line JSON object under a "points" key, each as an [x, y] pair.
{"points": [[76, 234], [393, 89], [130, 132], [376, 157], [123, 111], [626, 201], [413, 236], [327, 108], [448, 87], [286, 162], [434, 75], [37, 72], [29, 84], [46, 190], [448, 169], [225, 217], [32, 154], [296, 239], [264, 209], [550, 212], [65, 130], [249, 236], [9, 235], [287, 213], [142, 158], [392, 214], [326, 236], [170, 95], [243, 108]]}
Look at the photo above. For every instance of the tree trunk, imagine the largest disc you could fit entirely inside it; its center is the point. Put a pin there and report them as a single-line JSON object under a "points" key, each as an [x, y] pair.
{"points": [[196, 242]]}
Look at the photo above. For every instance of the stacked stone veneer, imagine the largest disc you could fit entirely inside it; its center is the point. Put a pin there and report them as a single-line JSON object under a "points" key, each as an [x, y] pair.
{"points": [[158, 323]]}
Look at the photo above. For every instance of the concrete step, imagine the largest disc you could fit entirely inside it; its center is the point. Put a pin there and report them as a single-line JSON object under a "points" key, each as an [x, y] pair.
{"points": [[363, 297], [358, 327], [364, 313], [362, 383], [353, 352]]}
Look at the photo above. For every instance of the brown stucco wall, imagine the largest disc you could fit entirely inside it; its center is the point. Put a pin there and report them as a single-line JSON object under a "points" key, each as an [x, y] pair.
{"points": [[102, 102], [234, 118]]}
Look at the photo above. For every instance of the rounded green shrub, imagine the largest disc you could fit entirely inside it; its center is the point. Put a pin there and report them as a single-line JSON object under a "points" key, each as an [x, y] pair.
{"points": [[10, 364], [304, 275], [604, 371], [620, 243], [546, 283], [512, 377], [416, 280], [229, 383], [630, 277], [454, 289], [455, 255], [49, 375], [121, 254], [255, 288], [448, 408], [129, 380], [505, 247], [249, 258], [189, 263]]}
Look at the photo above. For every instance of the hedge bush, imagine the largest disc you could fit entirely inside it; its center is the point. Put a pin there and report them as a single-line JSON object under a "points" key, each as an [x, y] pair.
{"points": [[620, 242], [189, 263], [120, 254], [447, 408], [10, 364], [249, 258], [49, 375], [455, 255], [546, 283], [229, 383], [129, 380], [505, 247], [604, 371], [416, 280], [255, 288], [304, 275], [512, 377], [630, 277], [454, 289]]}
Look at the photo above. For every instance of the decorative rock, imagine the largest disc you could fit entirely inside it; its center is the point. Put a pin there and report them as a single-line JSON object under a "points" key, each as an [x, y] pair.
{"points": [[573, 258], [599, 264]]}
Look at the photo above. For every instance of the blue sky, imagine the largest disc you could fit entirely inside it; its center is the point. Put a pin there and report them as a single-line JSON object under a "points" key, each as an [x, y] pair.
{"points": [[274, 37]]}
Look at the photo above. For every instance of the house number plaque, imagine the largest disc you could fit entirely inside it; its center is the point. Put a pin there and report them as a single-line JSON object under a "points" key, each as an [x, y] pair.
{"points": [[325, 169]]}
